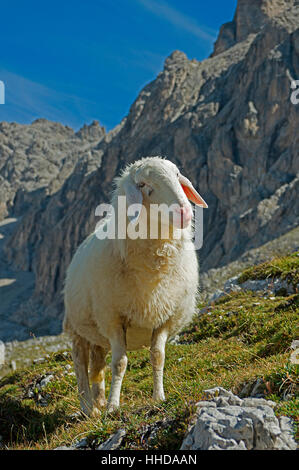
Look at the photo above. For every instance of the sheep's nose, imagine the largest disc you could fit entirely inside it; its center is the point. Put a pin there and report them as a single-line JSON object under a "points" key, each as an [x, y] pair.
{"points": [[185, 213]]}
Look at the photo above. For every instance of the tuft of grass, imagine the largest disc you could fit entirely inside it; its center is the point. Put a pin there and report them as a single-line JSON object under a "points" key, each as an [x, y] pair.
{"points": [[285, 267], [267, 324]]}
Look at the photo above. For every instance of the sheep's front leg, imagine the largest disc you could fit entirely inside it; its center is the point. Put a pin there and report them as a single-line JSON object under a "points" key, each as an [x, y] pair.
{"points": [[80, 353], [119, 365], [159, 338]]}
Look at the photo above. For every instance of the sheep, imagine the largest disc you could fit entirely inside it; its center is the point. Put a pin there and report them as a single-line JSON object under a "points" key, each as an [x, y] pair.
{"points": [[124, 294]]}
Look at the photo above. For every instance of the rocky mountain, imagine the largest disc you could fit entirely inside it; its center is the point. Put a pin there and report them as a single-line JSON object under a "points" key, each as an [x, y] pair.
{"points": [[37, 159], [250, 17], [227, 122]]}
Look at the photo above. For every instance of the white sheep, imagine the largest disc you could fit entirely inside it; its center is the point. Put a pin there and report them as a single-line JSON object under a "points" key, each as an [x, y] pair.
{"points": [[125, 294]]}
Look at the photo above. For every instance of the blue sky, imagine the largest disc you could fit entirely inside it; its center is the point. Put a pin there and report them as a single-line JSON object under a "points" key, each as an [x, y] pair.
{"points": [[73, 62]]}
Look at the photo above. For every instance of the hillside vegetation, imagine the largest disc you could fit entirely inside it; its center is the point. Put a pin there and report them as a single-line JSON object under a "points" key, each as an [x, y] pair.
{"points": [[238, 342]]}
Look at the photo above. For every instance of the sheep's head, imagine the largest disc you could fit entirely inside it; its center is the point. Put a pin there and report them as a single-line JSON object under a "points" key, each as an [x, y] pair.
{"points": [[156, 183]]}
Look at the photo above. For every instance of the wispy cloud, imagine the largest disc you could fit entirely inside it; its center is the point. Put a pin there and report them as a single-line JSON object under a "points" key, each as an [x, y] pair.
{"points": [[26, 100], [178, 19]]}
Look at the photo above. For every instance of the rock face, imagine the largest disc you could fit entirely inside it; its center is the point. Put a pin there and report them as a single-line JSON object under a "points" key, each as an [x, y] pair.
{"points": [[227, 121], [225, 422], [35, 160], [250, 17]]}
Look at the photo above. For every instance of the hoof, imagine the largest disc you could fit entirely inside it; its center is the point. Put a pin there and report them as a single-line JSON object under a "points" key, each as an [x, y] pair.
{"points": [[159, 397], [95, 413], [100, 403], [112, 407]]}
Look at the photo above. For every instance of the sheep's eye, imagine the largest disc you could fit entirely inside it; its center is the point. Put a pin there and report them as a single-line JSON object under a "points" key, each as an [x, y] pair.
{"points": [[141, 185]]}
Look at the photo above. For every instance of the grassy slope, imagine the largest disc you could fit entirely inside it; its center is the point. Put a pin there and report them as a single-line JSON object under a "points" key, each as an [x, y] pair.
{"points": [[284, 267], [243, 337], [279, 247]]}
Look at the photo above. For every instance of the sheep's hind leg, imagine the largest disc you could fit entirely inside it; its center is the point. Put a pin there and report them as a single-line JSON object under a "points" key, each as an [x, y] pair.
{"points": [[159, 338], [119, 365], [97, 375], [80, 353]]}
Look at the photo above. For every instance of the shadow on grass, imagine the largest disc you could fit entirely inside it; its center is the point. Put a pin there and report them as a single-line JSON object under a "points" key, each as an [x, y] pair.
{"points": [[10, 379], [20, 423]]}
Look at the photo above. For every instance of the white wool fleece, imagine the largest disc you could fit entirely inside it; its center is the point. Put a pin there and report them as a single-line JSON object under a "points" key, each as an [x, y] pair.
{"points": [[126, 294]]}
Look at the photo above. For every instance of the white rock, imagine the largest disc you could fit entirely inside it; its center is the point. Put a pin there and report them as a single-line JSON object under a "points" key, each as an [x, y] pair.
{"points": [[227, 422], [64, 448], [294, 358], [258, 402], [202, 404], [39, 360], [81, 444], [114, 441], [44, 382], [217, 295]]}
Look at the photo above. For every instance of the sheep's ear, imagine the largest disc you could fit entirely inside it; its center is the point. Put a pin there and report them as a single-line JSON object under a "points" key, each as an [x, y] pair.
{"points": [[191, 192], [134, 197]]}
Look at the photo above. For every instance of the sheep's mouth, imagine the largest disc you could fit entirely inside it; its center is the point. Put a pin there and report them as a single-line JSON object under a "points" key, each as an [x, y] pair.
{"points": [[182, 217], [180, 221], [184, 223]]}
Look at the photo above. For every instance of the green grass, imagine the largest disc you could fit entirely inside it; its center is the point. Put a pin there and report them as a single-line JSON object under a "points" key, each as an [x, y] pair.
{"points": [[241, 338], [267, 325], [285, 267]]}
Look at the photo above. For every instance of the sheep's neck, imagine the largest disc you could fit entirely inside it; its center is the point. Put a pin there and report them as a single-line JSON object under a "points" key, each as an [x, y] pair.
{"points": [[152, 255], [146, 253]]}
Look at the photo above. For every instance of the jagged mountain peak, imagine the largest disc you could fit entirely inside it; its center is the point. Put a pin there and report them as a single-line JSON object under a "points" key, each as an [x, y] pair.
{"points": [[250, 16], [175, 58], [91, 131]]}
